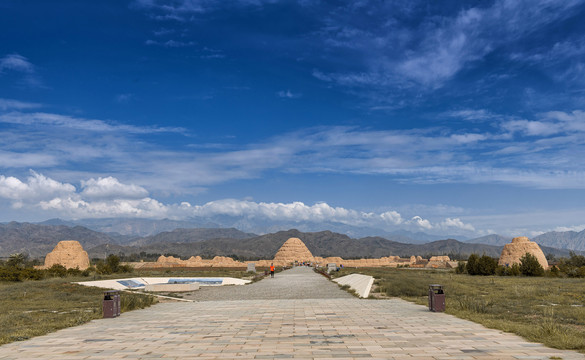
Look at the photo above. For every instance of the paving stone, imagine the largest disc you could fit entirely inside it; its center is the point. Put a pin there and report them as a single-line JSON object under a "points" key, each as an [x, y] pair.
{"points": [[326, 324]]}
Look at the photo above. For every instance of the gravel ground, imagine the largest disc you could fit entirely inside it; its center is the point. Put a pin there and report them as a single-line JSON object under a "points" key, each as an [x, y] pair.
{"points": [[296, 283]]}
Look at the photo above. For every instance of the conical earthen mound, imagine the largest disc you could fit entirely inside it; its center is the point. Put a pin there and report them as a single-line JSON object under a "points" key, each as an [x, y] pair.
{"points": [[293, 250], [68, 253], [519, 246]]}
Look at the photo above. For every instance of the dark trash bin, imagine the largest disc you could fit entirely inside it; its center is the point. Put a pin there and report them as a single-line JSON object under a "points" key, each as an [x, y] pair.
{"points": [[112, 304], [436, 298]]}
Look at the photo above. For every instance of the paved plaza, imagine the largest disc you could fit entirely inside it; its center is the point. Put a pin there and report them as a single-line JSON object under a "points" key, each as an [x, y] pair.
{"points": [[257, 323]]}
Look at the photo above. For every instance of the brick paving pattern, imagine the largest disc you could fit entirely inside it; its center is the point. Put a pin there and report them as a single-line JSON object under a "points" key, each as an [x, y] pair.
{"points": [[310, 328], [296, 283]]}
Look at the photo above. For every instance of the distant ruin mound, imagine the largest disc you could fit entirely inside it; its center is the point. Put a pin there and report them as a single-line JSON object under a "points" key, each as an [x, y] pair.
{"points": [[68, 253], [293, 250], [519, 246]]}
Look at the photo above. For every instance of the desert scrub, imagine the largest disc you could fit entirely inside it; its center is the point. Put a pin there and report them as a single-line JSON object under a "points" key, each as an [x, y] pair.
{"points": [[541, 309], [33, 308]]}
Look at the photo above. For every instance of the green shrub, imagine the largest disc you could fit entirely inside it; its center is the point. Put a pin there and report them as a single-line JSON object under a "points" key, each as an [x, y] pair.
{"points": [[460, 269], [73, 272], [574, 266], [513, 270], [57, 270], [9, 274], [31, 274], [113, 262], [16, 260], [486, 265], [529, 266], [125, 269], [553, 272], [472, 266]]}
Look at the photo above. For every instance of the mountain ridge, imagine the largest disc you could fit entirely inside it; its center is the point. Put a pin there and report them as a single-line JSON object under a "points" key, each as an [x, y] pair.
{"points": [[37, 240]]}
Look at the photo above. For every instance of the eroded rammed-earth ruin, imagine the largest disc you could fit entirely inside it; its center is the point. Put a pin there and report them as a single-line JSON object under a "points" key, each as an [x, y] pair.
{"points": [[295, 251], [68, 253], [514, 251]]}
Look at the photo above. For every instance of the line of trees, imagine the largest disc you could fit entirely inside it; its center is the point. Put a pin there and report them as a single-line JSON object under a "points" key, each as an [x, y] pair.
{"points": [[19, 267], [574, 266]]}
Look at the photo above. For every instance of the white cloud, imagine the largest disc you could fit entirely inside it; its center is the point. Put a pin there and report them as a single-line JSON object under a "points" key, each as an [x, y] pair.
{"points": [[532, 128], [9, 104], [397, 53], [20, 64], [573, 121], [288, 94], [107, 197], [77, 123], [423, 223], [36, 186], [549, 123], [426, 155], [74, 207], [472, 115], [180, 9], [124, 98], [455, 223], [171, 43], [11, 159], [110, 187], [575, 228], [392, 217], [15, 62]]}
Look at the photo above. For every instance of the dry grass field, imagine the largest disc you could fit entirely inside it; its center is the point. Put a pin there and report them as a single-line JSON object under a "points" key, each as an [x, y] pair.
{"points": [[541, 309], [33, 308]]}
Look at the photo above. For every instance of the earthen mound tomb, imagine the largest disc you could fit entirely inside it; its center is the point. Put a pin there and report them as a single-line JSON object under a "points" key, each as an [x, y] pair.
{"points": [[519, 246], [293, 250], [68, 253]]}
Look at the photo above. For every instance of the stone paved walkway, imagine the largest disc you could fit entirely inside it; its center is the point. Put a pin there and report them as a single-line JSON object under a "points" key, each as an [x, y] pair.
{"points": [[296, 283], [339, 328]]}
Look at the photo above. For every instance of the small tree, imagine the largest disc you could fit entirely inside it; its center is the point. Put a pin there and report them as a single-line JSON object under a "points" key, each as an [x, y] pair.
{"points": [[554, 272], [113, 261], [57, 270], [530, 266], [460, 269], [16, 260], [472, 264], [486, 265], [102, 268], [574, 266]]}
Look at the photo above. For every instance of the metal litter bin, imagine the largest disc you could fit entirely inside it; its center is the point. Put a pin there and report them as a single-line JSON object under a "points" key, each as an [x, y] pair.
{"points": [[436, 298], [112, 304]]}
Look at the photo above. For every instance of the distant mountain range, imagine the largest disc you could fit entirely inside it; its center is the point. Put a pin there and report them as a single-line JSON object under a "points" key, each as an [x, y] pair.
{"points": [[39, 239], [128, 228], [570, 240], [323, 243], [133, 228]]}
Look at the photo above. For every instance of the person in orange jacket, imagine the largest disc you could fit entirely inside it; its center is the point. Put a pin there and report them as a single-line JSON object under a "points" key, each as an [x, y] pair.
{"points": [[272, 270]]}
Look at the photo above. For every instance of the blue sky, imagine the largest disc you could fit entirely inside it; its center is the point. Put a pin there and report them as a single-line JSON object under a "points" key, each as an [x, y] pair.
{"points": [[446, 117]]}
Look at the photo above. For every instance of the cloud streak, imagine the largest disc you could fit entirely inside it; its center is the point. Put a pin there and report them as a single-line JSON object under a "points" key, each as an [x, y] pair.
{"points": [[545, 152], [90, 125], [21, 65], [9, 104], [16, 62], [398, 56]]}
